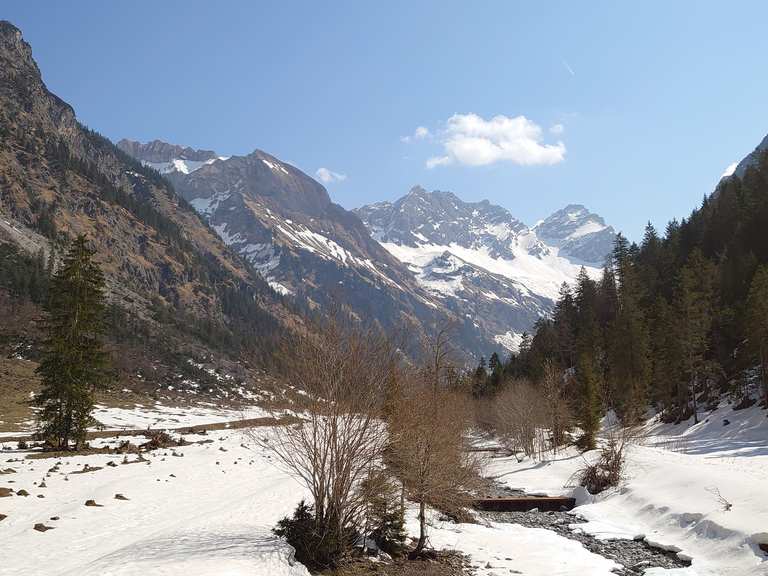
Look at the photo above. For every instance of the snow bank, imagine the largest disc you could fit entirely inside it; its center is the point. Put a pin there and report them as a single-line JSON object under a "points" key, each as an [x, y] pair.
{"points": [[670, 493], [499, 548]]}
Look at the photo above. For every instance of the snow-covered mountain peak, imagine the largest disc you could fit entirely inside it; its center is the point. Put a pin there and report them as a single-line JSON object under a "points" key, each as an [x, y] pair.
{"points": [[441, 218], [578, 234], [168, 158], [483, 262]]}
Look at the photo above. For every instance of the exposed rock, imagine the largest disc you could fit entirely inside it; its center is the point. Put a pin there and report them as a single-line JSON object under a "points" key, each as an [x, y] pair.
{"points": [[93, 503], [42, 527], [120, 497]]}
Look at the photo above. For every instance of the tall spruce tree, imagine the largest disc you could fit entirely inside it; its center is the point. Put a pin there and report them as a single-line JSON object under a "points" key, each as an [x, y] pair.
{"points": [[756, 323], [628, 342], [589, 352], [74, 363], [694, 302]]}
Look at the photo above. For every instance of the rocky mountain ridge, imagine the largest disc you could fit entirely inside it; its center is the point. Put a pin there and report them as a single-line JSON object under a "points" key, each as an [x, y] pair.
{"points": [[483, 262], [285, 225], [427, 257]]}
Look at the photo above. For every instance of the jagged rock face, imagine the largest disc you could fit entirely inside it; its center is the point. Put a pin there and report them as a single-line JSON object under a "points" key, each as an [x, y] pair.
{"points": [[483, 263], [22, 91], [284, 223], [159, 152], [442, 218], [579, 234]]}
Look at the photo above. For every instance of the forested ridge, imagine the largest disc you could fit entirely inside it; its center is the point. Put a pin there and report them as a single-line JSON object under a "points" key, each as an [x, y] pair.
{"points": [[674, 322]]}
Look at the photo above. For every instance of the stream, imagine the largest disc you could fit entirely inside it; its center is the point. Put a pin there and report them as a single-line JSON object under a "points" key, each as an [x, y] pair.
{"points": [[635, 556]]}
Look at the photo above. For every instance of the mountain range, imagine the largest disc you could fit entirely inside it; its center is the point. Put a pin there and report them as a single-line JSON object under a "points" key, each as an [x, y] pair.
{"points": [[210, 258], [426, 258]]}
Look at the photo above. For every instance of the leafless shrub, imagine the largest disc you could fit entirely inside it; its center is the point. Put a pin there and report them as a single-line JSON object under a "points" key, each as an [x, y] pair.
{"points": [[558, 414], [724, 504], [519, 418], [608, 470], [531, 419]]}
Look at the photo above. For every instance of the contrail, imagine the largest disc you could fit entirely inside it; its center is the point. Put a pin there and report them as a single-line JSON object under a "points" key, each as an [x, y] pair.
{"points": [[567, 67]]}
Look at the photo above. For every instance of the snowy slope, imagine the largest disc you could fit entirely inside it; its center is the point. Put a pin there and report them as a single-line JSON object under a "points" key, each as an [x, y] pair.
{"points": [[209, 512], [752, 159], [669, 495], [484, 263]]}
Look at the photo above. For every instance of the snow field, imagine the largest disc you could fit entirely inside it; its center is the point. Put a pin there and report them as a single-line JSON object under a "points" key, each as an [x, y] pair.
{"points": [[670, 492]]}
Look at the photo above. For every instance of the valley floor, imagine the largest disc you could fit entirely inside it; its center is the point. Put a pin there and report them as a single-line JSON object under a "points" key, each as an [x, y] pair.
{"points": [[210, 511]]}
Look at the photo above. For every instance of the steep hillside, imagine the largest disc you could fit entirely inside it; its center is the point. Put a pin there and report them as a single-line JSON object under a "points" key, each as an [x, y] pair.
{"points": [[284, 224], [175, 289]]}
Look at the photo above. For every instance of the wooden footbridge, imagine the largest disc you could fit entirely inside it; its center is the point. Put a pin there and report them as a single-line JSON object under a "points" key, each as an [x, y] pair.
{"points": [[525, 503]]}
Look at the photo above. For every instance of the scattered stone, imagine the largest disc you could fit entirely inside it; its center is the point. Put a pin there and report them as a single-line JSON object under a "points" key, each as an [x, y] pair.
{"points": [[93, 503], [43, 484], [222, 448], [54, 517], [172, 475], [726, 422], [41, 495], [87, 468], [120, 497], [5, 492], [112, 464], [42, 527], [7, 471], [22, 492], [3, 517]]}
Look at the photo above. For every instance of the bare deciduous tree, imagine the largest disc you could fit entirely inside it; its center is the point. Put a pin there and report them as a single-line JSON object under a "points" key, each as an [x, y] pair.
{"points": [[341, 370], [428, 427]]}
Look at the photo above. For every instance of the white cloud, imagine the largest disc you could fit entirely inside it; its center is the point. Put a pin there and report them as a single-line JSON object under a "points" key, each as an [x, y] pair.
{"points": [[438, 161], [327, 176], [730, 170], [556, 129], [471, 140], [420, 133]]}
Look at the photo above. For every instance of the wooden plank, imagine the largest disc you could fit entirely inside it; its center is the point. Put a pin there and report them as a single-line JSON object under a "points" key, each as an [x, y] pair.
{"points": [[525, 503]]}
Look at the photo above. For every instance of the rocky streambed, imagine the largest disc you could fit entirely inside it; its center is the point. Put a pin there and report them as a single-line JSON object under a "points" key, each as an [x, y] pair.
{"points": [[635, 556]]}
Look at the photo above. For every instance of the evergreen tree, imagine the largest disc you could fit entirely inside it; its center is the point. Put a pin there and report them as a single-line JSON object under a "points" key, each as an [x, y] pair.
{"points": [[756, 323], [628, 343], [564, 318], [495, 368], [694, 302], [74, 364], [589, 389], [665, 355]]}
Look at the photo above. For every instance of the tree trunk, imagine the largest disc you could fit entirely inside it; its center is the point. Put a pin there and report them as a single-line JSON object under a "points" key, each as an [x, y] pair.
{"points": [[764, 364], [422, 529], [695, 405]]}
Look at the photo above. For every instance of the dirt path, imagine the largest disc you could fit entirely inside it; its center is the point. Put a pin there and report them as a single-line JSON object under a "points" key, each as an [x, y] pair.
{"points": [[226, 425]]}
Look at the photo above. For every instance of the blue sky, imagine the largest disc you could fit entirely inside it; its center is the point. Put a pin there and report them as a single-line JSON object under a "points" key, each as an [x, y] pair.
{"points": [[633, 109]]}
